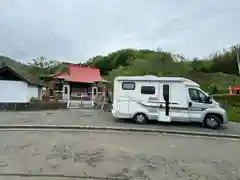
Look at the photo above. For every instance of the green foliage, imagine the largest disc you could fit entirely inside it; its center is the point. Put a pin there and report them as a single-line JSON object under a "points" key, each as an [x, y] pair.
{"points": [[112, 61], [38, 67], [43, 63], [215, 74], [207, 81], [231, 104], [234, 114], [11, 62], [228, 100], [43, 66], [225, 62], [126, 58], [214, 89]]}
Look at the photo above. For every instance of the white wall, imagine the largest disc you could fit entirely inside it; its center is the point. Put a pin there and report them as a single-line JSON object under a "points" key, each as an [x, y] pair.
{"points": [[13, 91], [32, 92], [17, 91]]}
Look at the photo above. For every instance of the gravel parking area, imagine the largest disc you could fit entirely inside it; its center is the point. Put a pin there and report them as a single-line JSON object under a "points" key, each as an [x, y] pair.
{"points": [[95, 117], [129, 156]]}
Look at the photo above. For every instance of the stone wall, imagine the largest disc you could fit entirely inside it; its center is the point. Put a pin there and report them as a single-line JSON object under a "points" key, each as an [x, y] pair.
{"points": [[32, 106]]}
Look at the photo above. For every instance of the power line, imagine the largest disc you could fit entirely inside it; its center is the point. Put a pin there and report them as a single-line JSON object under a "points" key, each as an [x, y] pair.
{"points": [[238, 61]]}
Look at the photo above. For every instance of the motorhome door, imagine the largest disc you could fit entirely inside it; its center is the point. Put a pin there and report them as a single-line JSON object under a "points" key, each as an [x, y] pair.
{"points": [[164, 105]]}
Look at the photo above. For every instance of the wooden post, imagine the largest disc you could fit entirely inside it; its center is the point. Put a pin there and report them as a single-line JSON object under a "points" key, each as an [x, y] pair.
{"points": [[104, 98], [230, 90]]}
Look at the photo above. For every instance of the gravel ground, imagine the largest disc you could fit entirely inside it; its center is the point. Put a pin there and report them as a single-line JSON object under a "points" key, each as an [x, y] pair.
{"points": [[95, 117], [123, 155]]}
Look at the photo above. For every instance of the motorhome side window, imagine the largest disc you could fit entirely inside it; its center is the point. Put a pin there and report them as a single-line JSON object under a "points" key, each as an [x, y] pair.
{"points": [[128, 85], [197, 96], [148, 90]]}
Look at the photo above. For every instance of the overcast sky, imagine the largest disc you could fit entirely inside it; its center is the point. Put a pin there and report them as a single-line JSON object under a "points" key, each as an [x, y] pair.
{"points": [[75, 30]]}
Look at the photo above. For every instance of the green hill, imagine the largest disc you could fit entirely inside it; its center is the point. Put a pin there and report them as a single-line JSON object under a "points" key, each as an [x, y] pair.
{"points": [[11, 62], [214, 74]]}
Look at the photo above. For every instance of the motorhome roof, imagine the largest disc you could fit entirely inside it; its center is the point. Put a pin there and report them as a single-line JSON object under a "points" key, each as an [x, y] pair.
{"points": [[156, 78]]}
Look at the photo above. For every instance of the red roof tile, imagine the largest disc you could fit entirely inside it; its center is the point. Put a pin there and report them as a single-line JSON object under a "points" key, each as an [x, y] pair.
{"points": [[78, 73]]}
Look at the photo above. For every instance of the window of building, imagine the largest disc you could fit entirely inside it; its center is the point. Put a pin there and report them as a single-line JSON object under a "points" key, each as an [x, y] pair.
{"points": [[128, 85], [148, 90], [51, 92], [65, 90], [95, 91]]}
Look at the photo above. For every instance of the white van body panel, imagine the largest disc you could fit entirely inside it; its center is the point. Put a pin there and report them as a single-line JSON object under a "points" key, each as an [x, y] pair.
{"points": [[128, 103]]}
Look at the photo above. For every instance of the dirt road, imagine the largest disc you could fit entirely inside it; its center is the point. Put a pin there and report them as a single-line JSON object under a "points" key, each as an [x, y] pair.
{"points": [[128, 156], [95, 117]]}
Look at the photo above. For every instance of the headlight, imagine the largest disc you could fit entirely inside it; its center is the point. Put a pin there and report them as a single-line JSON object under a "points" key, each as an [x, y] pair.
{"points": [[221, 105]]}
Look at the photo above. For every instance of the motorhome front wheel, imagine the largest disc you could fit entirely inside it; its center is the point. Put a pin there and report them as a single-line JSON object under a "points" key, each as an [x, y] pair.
{"points": [[212, 121], [140, 118]]}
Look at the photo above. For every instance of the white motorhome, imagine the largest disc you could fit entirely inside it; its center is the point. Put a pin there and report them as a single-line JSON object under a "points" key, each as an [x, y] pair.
{"points": [[165, 99]]}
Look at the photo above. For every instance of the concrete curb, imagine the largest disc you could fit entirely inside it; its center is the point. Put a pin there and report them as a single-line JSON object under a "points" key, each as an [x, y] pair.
{"points": [[32, 175], [121, 129]]}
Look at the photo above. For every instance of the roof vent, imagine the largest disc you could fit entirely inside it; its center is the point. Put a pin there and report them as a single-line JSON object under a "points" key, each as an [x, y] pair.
{"points": [[150, 76]]}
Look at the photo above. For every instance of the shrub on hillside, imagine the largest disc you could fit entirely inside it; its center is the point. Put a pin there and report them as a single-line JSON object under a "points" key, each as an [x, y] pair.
{"points": [[229, 100]]}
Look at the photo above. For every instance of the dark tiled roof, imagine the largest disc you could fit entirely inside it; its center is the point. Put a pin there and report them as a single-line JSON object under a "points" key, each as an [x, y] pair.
{"points": [[23, 74]]}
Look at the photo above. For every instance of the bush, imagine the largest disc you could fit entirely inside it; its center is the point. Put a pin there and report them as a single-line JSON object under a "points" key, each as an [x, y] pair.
{"points": [[232, 105], [50, 105], [234, 114], [214, 89], [229, 100]]}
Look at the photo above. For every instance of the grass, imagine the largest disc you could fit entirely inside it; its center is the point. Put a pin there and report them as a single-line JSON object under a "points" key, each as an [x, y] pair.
{"points": [[231, 104], [220, 80], [234, 114]]}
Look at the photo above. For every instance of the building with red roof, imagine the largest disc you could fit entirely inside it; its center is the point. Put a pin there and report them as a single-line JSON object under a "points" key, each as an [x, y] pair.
{"points": [[78, 82], [80, 74]]}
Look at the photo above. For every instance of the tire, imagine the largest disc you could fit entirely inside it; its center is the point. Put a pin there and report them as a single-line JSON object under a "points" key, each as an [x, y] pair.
{"points": [[212, 121], [140, 118]]}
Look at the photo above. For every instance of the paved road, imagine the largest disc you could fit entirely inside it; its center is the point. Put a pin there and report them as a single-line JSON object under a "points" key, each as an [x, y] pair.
{"points": [[122, 155], [95, 117]]}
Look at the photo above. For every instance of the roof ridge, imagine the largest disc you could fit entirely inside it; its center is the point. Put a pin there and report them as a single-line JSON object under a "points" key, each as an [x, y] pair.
{"points": [[82, 66], [28, 77]]}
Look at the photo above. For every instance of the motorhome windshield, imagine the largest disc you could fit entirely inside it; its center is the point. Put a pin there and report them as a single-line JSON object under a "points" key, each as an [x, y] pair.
{"points": [[205, 93], [198, 95]]}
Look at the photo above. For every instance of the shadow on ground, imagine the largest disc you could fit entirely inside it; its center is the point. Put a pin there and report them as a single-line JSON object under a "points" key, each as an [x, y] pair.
{"points": [[157, 124]]}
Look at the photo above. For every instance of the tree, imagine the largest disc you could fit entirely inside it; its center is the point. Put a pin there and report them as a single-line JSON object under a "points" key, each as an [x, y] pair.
{"points": [[225, 62], [42, 65], [196, 65]]}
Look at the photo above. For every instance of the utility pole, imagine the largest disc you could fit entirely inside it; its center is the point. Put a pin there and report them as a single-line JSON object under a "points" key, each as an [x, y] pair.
{"points": [[238, 61]]}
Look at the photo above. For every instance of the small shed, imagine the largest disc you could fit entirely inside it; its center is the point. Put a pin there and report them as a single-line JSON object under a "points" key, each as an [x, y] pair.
{"points": [[18, 86]]}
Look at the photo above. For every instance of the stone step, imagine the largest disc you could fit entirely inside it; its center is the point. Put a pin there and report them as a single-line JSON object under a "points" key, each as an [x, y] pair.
{"points": [[78, 104]]}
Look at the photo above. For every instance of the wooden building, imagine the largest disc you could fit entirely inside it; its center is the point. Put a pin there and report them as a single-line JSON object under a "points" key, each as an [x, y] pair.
{"points": [[78, 83]]}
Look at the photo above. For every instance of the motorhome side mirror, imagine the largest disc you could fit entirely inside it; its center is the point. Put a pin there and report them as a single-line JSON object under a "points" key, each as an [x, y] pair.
{"points": [[209, 99], [190, 104], [166, 92]]}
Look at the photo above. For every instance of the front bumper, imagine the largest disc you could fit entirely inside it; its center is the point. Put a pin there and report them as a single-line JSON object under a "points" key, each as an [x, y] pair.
{"points": [[113, 112], [225, 118]]}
